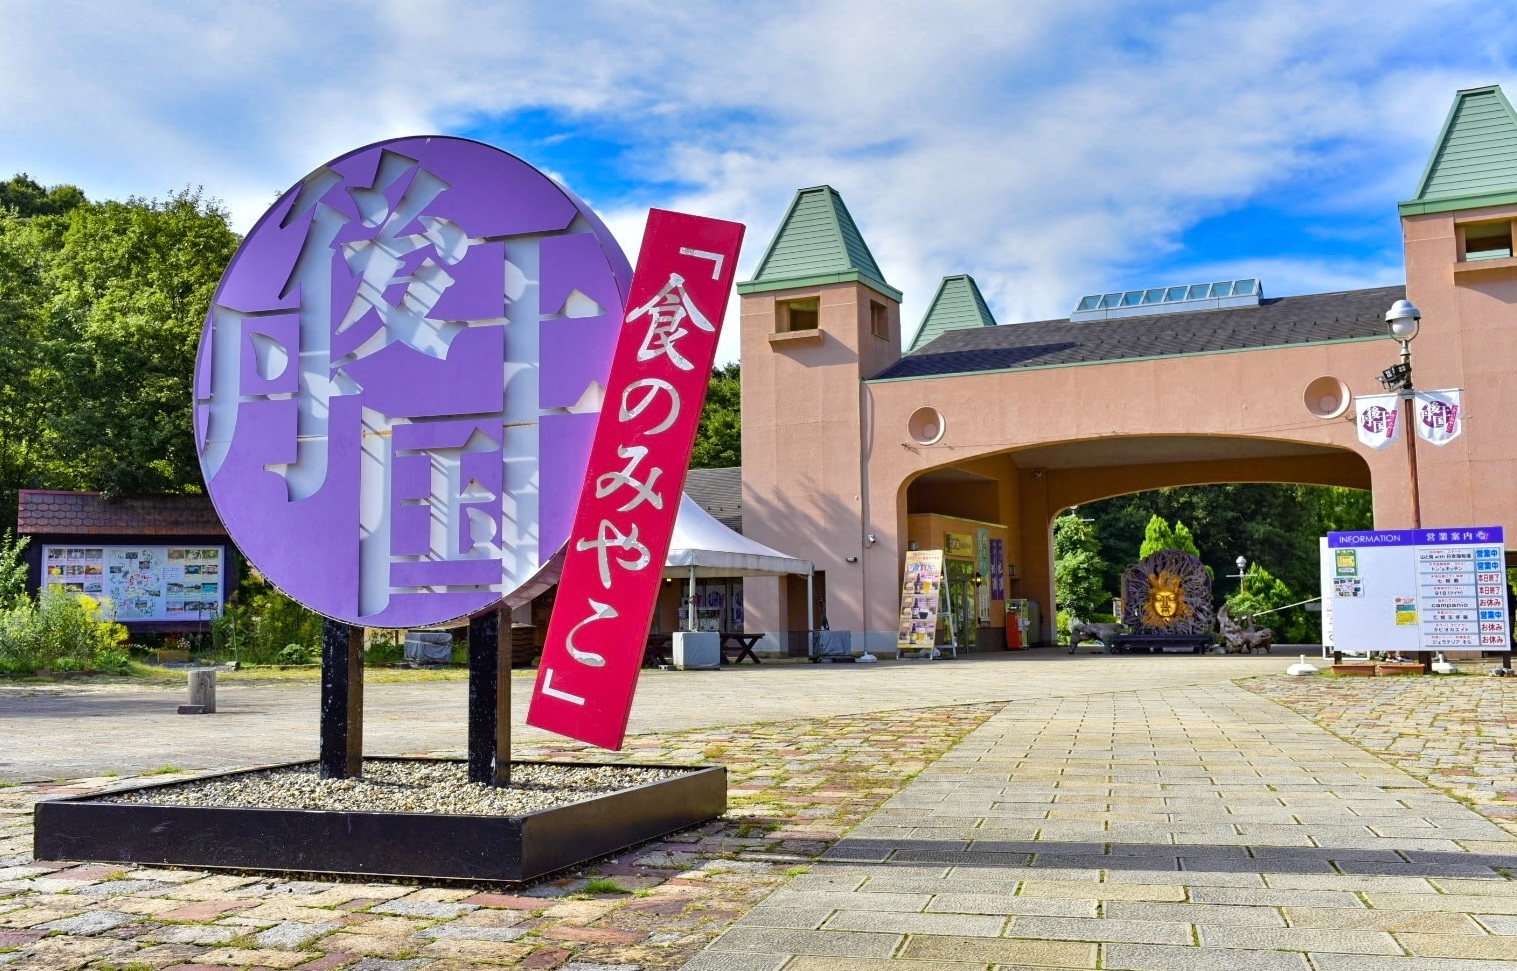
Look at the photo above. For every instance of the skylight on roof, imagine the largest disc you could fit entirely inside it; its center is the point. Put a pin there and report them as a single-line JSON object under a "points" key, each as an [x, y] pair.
{"points": [[1163, 300]]}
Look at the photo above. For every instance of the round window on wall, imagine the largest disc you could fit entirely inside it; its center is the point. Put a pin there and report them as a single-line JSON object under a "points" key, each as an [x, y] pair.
{"points": [[926, 426]]}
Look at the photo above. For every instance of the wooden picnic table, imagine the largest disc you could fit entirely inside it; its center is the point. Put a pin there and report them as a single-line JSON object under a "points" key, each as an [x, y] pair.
{"points": [[742, 643]]}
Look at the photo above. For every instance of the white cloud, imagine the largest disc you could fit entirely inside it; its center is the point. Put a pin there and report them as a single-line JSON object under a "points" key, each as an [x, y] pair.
{"points": [[1042, 147]]}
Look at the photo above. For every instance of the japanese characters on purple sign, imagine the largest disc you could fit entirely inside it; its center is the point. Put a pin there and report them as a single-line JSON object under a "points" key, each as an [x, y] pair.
{"points": [[400, 378]]}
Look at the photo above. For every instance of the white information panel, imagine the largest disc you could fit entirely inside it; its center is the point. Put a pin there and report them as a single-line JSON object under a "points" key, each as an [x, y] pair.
{"points": [[136, 583], [1417, 590]]}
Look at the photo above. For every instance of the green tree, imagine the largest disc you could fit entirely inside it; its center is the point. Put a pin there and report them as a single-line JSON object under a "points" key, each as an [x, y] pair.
{"points": [[128, 287], [24, 197], [1159, 535], [1259, 591], [12, 570], [719, 439], [1274, 524], [1079, 571]]}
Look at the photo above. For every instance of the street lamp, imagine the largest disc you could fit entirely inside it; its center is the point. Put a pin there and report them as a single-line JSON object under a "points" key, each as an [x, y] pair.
{"points": [[1404, 320], [1242, 564]]}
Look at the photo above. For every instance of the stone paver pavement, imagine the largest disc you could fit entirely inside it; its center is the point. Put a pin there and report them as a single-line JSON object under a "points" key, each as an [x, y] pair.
{"points": [[72, 731], [1458, 733], [1179, 822], [1199, 827], [796, 787]]}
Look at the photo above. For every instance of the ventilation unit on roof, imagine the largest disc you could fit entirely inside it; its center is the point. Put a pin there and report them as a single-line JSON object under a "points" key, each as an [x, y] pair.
{"points": [[1168, 300]]}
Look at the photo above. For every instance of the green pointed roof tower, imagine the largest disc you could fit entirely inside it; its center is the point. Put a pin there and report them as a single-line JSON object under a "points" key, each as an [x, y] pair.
{"points": [[1475, 161], [958, 305], [817, 243]]}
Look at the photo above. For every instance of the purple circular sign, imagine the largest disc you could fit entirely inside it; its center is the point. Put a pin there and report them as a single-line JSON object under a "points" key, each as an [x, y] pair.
{"points": [[399, 380]]}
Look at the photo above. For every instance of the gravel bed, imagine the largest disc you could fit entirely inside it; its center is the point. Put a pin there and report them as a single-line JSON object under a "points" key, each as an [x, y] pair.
{"points": [[404, 786]]}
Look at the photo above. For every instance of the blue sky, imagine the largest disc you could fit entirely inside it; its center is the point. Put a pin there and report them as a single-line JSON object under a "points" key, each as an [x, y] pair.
{"points": [[1048, 149]]}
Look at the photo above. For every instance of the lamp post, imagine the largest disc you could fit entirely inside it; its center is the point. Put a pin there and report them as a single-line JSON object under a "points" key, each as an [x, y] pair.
{"points": [[1404, 320], [1242, 564]]}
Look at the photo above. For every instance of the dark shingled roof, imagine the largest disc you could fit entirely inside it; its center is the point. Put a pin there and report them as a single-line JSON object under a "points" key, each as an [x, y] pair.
{"points": [[1276, 322], [720, 493], [87, 514]]}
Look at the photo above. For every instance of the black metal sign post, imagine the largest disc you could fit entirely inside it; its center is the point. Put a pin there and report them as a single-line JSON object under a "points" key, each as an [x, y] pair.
{"points": [[489, 699], [341, 700]]}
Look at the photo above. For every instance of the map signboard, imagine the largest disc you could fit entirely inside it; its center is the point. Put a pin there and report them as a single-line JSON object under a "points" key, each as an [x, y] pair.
{"points": [[141, 583], [1424, 589]]}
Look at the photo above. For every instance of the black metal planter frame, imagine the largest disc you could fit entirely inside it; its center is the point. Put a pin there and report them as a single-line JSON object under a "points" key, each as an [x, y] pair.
{"points": [[506, 849]]}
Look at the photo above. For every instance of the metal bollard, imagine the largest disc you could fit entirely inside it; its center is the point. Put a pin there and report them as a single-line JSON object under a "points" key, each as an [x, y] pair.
{"points": [[202, 684]]}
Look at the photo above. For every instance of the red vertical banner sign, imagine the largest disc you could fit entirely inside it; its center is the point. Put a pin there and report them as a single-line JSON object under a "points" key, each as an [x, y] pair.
{"points": [[631, 494]]}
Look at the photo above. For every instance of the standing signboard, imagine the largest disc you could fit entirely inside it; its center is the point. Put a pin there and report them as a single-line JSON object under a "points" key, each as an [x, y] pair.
{"points": [[921, 593], [631, 493], [1404, 590]]}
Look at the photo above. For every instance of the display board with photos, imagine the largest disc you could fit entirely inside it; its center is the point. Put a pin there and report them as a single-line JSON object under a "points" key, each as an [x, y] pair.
{"points": [[141, 583], [921, 597]]}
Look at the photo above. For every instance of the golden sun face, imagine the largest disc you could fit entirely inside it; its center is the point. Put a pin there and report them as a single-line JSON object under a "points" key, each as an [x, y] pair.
{"points": [[1165, 604]]}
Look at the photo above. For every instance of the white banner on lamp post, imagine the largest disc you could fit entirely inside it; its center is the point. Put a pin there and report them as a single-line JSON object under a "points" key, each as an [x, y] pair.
{"points": [[1378, 417], [1440, 415]]}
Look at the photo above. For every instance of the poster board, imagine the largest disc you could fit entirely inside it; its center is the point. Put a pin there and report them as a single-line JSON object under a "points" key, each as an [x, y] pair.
{"points": [[921, 600], [141, 583], [1417, 590]]}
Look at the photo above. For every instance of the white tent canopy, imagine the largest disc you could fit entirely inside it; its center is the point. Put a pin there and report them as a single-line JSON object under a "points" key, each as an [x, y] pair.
{"points": [[703, 544], [703, 547]]}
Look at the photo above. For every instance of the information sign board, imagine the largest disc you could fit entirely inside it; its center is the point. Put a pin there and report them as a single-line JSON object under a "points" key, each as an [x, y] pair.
{"points": [[1417, 589], [141, 583]]}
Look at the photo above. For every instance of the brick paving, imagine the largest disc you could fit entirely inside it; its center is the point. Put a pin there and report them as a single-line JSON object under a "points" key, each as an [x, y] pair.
{"points": [[795, 788], [1121, 823], [1195, 827], [1458, 733]]}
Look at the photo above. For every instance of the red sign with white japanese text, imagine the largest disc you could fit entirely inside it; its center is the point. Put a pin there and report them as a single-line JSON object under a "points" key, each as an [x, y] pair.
{"points": [[631, 495]]}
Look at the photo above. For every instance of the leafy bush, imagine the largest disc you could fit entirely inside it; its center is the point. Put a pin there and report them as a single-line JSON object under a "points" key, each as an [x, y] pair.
{"points": [[60, 632], [298, 654], [383, 647], [1261, 591], [12, 570], [264, 626]]}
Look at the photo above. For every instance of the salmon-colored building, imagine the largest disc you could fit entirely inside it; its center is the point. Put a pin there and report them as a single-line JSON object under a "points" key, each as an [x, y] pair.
{"points": [[854, 453]]}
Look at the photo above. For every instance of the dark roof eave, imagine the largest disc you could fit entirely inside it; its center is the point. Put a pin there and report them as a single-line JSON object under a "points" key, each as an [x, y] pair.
{"points": [[1120, 360]]}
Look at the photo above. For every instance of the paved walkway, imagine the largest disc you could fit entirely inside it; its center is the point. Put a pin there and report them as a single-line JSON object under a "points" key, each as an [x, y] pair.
{"points": [[1143, 813], [69, 732], [1192, 828]]}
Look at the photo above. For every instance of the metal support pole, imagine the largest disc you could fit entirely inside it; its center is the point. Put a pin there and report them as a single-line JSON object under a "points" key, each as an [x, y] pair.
{"points": [[341, 700], [810, 604], [490, 699], [1411, 462], [1411, 435], [690, 617]]}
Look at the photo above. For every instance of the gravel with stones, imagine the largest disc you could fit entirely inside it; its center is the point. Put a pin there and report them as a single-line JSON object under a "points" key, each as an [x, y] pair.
{"points": [[404, 786]]}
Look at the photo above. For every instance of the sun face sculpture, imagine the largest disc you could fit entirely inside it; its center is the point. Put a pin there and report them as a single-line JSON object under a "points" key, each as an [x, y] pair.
{"points": [[1167, 593], [1166, 600]]}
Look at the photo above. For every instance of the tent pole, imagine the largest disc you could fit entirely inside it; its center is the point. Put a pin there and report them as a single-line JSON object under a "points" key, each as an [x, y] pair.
{"points": [[810, 602], [690, 619]]}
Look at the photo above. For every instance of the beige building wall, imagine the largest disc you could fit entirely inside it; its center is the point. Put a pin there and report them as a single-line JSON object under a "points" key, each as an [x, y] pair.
{"points": [[1468, 339], [830, 459]]}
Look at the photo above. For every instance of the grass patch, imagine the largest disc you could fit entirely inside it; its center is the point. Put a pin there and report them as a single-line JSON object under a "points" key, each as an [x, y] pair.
{"points": [[602, 885], [164, 770]]}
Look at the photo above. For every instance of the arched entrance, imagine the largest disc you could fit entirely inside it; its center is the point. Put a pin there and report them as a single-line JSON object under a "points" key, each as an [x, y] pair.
{"points": [[1014, 494]]}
